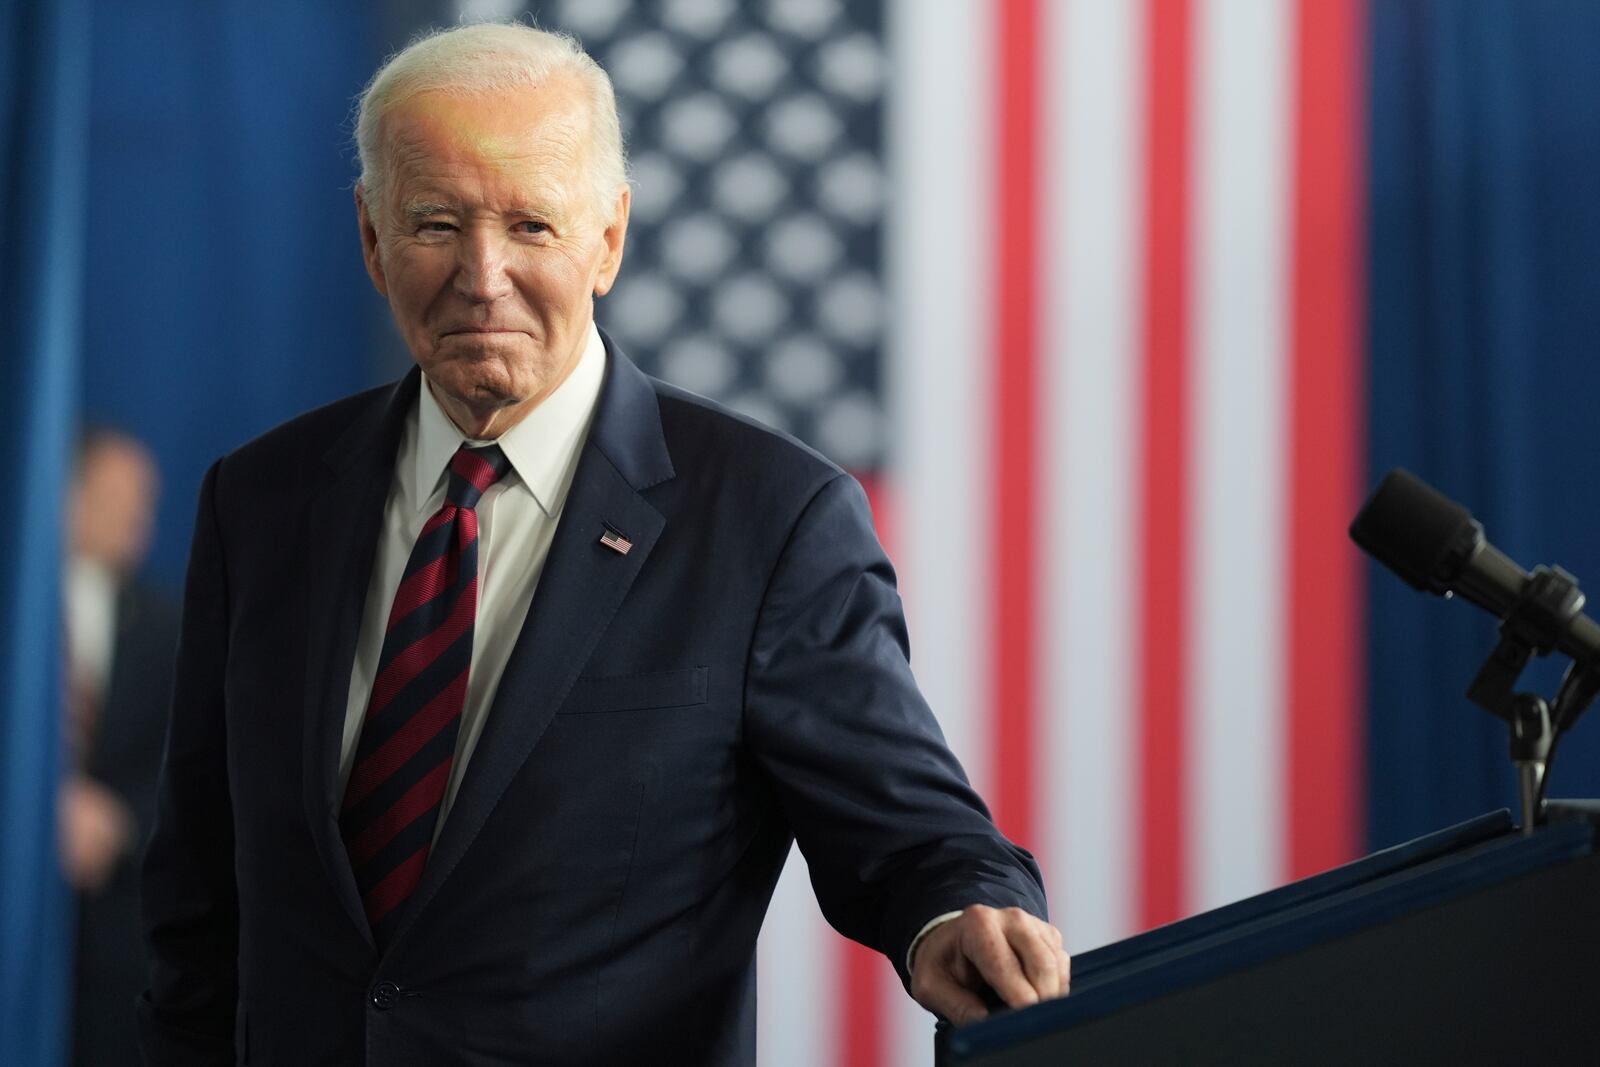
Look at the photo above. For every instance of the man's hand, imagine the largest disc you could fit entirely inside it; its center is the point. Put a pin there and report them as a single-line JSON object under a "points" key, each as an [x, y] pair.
{"points": [[1017, 955], [95, 828]]}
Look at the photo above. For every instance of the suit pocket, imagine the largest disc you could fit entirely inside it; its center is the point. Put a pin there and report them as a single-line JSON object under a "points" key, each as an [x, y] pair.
{"points": [[634, 692]]}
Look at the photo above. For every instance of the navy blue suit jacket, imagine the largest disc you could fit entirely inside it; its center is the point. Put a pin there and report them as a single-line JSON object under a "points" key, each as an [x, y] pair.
{"points": [[670, 719]]}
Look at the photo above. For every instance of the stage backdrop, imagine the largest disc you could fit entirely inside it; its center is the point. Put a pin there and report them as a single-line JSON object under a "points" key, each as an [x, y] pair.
{"points": [[1118, 308], [44, 111]]}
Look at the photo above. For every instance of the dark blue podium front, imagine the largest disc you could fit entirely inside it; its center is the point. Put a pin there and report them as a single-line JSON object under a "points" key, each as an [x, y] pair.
{"points": [[1472, 945]]}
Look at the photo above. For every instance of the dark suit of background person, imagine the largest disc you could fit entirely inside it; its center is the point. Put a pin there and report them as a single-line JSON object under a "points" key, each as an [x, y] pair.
{"points": [[121, 686], [670, 718]]}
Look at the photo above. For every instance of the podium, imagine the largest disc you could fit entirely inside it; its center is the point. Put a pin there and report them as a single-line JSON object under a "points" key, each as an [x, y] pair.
{"points": [[1476, 944]]}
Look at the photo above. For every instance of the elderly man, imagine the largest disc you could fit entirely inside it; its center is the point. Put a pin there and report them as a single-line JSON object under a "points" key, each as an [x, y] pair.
{"points": [[503, 690]]}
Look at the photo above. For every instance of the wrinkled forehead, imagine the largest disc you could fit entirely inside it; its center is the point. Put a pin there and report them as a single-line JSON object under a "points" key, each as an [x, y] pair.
{"points": [[536, 139]]}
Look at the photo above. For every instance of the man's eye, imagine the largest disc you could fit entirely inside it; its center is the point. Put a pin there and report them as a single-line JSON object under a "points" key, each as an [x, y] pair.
{"points": [[436, 227], [531, 226]]}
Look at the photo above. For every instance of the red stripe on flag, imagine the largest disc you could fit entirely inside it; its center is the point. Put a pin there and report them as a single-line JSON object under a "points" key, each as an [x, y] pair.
{"points": [[1013, 537], [862, 1037], [878, 500], [1326, 419], [1164, 510]]}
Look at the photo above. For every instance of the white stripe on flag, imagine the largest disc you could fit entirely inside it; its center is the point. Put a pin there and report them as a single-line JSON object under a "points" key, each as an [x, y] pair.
{"points": [[938, 354], [1094, 115], [795, 975], [937, 385], [1240, 117]]}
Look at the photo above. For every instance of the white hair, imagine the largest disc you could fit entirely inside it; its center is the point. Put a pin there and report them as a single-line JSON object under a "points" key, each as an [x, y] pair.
{"points": [[485, 58]]}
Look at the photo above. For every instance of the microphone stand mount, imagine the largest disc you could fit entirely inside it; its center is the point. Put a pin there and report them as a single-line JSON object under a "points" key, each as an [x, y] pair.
{"points": [[1535, 625]]}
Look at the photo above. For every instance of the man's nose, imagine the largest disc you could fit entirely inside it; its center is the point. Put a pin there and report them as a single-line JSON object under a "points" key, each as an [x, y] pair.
{"points": [[481, 275]]}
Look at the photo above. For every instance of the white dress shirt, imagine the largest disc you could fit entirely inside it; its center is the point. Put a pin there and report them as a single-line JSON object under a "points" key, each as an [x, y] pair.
{"points": [[91, 623], [516, 522]]}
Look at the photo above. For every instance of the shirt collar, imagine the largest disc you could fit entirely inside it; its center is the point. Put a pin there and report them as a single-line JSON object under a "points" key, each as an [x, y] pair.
{"points": [[541, 447]]}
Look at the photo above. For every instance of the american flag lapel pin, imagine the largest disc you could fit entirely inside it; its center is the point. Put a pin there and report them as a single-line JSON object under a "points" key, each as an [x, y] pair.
{"points": [[616, 542]]}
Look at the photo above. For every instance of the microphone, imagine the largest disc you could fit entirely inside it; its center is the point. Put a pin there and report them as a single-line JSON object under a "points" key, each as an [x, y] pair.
{"points": [[1435, 545]]}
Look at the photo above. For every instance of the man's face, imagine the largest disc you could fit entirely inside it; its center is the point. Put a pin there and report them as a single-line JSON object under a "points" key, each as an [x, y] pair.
{"points": [[490, 246], [113, 504]]}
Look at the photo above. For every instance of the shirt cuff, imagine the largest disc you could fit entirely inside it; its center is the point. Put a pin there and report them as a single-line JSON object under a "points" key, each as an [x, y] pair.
{"points": [[937, 920]]}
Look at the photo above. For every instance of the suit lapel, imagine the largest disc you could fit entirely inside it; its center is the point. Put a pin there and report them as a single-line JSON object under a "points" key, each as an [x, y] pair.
{"points": [[345, 522], [581, 587]]}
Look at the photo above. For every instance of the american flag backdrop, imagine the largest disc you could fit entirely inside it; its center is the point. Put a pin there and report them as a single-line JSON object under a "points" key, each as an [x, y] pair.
{"points": [[1074, 286]]}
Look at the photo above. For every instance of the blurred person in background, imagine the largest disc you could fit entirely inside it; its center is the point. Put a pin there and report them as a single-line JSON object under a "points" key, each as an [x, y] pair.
{"points": [[411, 812], [121, 639]]}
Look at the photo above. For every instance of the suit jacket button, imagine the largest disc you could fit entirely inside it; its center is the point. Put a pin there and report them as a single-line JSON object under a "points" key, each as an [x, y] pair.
{"points": [[384, 995]]}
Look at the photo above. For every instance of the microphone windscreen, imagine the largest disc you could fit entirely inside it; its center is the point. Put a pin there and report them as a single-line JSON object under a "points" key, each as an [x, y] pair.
{"points": [[1416, 531]]}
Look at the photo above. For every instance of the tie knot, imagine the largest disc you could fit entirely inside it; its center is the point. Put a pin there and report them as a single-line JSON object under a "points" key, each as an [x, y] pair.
{"points": [[472, 472]]}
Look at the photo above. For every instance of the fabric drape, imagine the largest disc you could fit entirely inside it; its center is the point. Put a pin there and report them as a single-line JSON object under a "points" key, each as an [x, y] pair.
{"points": [[1485, 270], [44, 80]]}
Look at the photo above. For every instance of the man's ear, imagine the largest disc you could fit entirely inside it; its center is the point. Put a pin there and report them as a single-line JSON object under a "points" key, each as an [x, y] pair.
{"points": [[615, 235], [369, 242]]}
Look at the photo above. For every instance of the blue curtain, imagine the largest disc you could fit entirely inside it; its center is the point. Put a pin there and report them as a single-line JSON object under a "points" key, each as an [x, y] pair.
{"points": [[44, 77], [226, 291], [1485, 305], [213, 289]]}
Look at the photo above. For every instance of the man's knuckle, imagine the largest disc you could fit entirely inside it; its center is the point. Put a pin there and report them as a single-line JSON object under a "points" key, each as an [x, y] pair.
{"points": [[990, 938]]}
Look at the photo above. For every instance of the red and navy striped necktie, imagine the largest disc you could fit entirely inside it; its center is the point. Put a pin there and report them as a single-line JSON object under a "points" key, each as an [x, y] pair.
{"points": [[408, 739]]}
